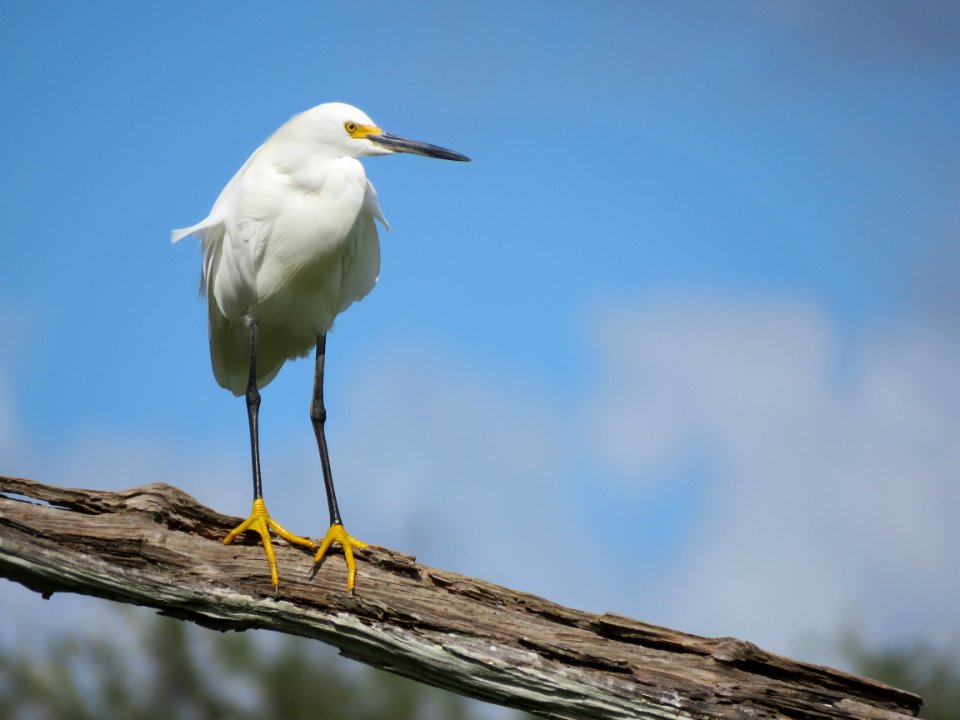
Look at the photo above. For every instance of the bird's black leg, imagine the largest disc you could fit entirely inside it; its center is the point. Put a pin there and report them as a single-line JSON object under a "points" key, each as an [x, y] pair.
{"points": [[336, 532], [318, 416], [253, 409], [259, 520]]}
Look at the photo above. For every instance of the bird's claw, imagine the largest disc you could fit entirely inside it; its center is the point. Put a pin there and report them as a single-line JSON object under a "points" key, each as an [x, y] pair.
{"points": [[337, 534], [261, 523]]}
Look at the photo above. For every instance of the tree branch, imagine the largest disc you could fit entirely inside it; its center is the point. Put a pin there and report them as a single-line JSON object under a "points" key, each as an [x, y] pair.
{"points": [[156, 546]]}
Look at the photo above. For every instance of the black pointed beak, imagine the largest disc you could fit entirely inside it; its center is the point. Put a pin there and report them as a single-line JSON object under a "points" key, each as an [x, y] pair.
{"points": [[405, 145]]}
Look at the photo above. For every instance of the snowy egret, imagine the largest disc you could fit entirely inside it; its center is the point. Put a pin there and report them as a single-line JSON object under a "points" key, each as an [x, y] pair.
{"points": [[290, 243]]}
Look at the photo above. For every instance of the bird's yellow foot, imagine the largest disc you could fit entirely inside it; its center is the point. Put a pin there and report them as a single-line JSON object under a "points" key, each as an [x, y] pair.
{"points": [[336, 533], [261, 523]]}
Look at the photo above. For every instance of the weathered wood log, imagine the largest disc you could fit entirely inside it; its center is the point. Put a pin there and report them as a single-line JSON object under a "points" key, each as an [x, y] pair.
{"points": [[157, 546]]}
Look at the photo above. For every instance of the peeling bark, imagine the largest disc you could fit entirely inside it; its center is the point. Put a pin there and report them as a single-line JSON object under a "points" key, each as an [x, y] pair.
{"points": [[156, 546]]}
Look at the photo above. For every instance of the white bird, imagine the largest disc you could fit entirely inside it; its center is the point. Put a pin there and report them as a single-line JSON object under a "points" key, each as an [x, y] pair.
{"points": [[290, 243]]}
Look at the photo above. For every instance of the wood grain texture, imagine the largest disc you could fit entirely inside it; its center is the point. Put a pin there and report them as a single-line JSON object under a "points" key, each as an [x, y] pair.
{"points": [[157, 546]]}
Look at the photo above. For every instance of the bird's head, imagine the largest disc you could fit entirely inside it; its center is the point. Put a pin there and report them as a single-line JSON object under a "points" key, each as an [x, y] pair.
{"points": [[346, 131]]}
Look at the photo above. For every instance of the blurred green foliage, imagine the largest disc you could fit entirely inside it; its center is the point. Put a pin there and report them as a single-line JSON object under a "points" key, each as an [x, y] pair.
{"points": [[154, 668], [162, 669], [921, 668]]}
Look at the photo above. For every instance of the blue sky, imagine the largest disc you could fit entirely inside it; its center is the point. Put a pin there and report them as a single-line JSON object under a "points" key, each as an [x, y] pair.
{"points": [[687, 322]]}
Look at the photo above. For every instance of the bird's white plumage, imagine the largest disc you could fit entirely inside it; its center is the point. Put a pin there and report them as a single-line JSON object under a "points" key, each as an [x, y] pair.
{"points": [[290, 243]]}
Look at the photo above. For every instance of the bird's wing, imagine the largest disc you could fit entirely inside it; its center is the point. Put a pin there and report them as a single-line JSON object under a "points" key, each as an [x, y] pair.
{"points": [[361, 262], [227, 273], [223, 202], [230, 283], [227, 279]]}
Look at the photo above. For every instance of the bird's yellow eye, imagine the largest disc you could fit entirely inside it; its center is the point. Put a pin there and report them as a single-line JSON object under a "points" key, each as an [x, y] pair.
{"points": [[359, 131]]}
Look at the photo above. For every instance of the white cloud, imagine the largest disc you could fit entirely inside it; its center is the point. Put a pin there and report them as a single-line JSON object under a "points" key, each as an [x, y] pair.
{"points": [[834, 478], [672, 374]]}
